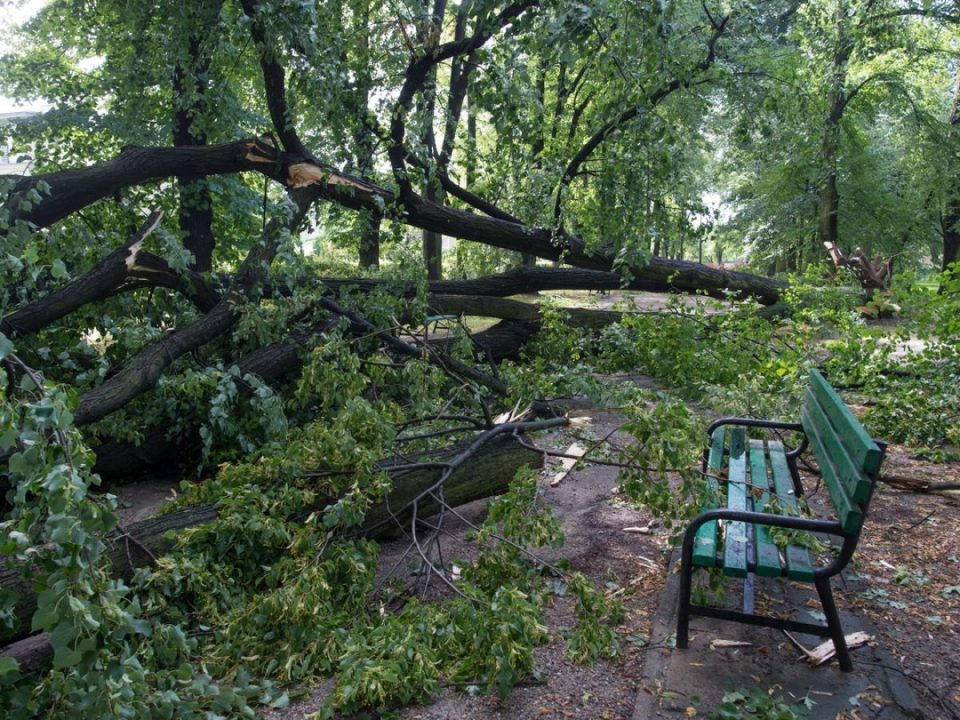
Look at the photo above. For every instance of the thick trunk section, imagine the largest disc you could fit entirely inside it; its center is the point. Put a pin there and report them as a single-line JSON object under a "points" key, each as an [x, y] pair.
{"points": [[502, 341], [370, 242], [364, 139], [516, 281], [72, 190], [486, 473], [517, 310], [829, 201]]}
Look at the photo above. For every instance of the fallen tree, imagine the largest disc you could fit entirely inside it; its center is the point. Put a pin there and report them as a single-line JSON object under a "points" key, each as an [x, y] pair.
{"points": [[455, 477]]}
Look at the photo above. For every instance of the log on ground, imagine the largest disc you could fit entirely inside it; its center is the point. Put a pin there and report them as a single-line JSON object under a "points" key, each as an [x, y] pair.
{"points": [[487, 473]]}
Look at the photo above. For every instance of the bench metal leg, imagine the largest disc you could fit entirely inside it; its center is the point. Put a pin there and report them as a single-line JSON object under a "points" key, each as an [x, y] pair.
{"points": [[833, 622], [686, 575], [795, 475]]}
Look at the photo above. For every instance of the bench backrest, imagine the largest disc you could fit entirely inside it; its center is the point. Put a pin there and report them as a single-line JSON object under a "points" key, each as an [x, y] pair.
{"points": [[849, 458]]}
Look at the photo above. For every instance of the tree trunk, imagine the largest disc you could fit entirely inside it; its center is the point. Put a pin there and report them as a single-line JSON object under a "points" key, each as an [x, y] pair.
{"points": [[196, 203], [829, 197], [486, 473], [429, 35], [521, 280], [505, 309], [951, 215], [433, 248], [365, 142]]}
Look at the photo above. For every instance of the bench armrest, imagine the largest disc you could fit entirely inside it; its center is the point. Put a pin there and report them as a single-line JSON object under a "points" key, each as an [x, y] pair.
{"points": [[791, 522], [753, 422]]}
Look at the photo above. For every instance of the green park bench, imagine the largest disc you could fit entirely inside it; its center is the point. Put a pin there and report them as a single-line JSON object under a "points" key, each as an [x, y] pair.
{"points": [[756, 486]]}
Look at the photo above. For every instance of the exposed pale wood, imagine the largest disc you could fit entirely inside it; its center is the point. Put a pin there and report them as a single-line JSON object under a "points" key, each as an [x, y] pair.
{"points": [[825, 651], [567, 463]]}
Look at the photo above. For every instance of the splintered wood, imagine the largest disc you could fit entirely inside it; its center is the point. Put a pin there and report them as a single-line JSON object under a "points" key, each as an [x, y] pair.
{"points": [[567, 463], [825, 651], [304, 174]]}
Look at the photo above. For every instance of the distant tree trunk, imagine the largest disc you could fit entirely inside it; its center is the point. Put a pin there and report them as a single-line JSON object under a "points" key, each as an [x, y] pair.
{"points": [[196, 209], [470, 159], [829, 196], [433, 246], [432, 240], [951, 215], [829, 206], [369, 252]]}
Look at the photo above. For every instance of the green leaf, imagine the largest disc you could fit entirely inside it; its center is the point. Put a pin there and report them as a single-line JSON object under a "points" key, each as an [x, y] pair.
{"points": [[8, 665], [62, 639], [6, 346]]}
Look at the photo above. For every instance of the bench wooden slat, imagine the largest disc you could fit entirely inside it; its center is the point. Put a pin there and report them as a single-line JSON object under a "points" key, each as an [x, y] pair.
{"points": [[735, 546], [799, 566], [851, 475], [768, 555], [705, 542], [848, 512], [860, 445]]}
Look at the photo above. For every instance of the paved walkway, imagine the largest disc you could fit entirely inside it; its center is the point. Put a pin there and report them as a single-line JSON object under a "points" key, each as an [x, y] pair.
{"points": [[676, 680]]}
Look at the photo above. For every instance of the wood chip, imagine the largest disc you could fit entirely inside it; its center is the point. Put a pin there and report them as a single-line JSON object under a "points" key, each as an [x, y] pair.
{"points": [[721, 644], [643, 530], [567, 463]]}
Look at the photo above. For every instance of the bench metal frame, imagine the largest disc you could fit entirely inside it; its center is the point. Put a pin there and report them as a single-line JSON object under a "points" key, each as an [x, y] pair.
{"points": [[822, 575]]}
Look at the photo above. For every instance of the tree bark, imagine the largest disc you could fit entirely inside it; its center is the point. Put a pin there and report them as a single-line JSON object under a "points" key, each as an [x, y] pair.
{"points": [[75, 189], [127, 267], [951, 215], [369, 251], [518, 311], [828, 210], [190, 106], [486, 473], [502, 341], [516, 281]]}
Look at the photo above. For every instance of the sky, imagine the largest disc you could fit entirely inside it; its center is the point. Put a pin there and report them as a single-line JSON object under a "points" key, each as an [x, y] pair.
{"points": [[14, 13]]}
